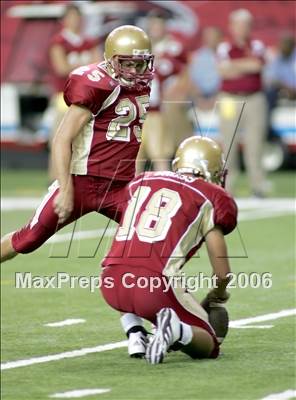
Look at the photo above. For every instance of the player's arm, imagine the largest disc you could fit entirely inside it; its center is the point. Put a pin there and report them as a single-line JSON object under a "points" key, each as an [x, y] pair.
{"points": [[235, 68], [74, 120], [59, 61], [217, 252], [248, 65]]}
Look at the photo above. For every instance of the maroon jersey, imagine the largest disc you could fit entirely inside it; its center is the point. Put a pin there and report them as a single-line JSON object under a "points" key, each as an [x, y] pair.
{"points": [[108, 145], [77, 50], [247, 83], [167, 219], [170, 59]]}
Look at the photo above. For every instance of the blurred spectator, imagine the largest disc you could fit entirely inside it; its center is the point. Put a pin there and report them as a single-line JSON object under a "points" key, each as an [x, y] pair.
{"points": [[68, 50], [203, 69], [166, 123], [242, 104], [280, 74]]}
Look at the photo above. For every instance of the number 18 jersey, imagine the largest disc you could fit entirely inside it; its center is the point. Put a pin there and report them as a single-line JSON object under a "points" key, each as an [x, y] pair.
{"points": [[108, 145], [167, 219]]}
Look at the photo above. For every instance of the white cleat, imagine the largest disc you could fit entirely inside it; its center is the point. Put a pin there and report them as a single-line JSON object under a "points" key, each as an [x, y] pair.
{"points": [[167, 333], [137, 343]]}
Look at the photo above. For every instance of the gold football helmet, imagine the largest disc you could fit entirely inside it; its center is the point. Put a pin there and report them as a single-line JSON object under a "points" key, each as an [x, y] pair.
{"points": [[201, 157], [128, 56]]}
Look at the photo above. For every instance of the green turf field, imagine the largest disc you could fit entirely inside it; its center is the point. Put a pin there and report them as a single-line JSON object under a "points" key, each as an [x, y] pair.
{"points": [[255, 363]]}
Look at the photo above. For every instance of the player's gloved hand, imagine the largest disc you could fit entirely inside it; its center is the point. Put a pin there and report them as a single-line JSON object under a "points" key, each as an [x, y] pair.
{"points": [[218, 296], [214, 296], [63, 204]]}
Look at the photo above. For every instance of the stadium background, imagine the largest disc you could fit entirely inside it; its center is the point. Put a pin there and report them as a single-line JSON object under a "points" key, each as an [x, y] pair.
{"points": [[257, 361]]}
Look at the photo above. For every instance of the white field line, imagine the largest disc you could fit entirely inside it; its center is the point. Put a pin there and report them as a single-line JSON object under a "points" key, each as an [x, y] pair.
{"points": [[97, 233], [31, 203], [288, 394], [262, 318], [61, 356], [79, 393], [19, 203], [250, 209], [65, 322], [262, 214], [81, 235], [253, 327], [266, 203], [117, 345]]}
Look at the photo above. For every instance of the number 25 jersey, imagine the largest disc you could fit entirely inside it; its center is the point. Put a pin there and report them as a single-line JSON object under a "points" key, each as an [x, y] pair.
{"points": [[108, 145]]}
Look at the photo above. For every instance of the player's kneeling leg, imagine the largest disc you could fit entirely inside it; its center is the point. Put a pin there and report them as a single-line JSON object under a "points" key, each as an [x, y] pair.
{"points": [[202, 344], [168, 332], [136, 333], [173, 334]]}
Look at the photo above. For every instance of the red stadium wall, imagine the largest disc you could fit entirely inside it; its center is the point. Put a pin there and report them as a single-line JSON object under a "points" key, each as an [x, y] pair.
{"points": [[271, 18], [24, 42]]}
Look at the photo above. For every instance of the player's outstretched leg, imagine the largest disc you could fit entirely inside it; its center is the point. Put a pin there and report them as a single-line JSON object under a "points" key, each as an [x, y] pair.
{"points": [[7, 250], [41, 227], [175, 334]]}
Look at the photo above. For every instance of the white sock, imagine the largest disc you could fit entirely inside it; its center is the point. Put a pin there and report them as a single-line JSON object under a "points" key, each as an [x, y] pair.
{"points": [[130, 320], [187, 334]]}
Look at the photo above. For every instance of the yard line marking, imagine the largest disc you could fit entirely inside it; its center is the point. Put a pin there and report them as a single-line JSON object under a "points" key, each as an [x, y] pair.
{"points": [[78, 235], [66, 322], [117, 345], [20, 203], [245, 203], [31, 203], [97, 233], [253, 326], [60, 356], [79, 393], [262, 214], [288, 394], [261, 318]]}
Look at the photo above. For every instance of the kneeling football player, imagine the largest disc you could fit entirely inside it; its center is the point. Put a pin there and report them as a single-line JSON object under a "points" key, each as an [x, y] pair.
{"points": [[168, 217]]}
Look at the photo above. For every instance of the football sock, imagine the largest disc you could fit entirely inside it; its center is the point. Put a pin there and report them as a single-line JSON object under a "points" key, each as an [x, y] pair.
{"points": [[131, 323], [186, 334], [135, 329]]}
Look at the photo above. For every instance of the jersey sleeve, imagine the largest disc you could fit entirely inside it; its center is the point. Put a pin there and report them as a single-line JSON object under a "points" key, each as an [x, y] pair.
{"points": [[223, 51], [57, 39], [225, 212], [81, 91], [259, 50]]}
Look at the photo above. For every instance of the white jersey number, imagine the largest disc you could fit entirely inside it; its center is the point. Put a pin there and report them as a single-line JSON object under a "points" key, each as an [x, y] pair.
{"points": [[155, 221], [119, 127]]}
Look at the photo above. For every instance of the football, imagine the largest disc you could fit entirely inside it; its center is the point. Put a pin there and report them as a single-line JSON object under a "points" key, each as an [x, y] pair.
{"points": [[218, 318]]}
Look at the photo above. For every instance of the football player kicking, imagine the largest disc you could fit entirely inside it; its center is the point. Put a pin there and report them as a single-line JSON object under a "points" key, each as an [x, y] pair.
{"points": [[96, 144], [169, 216]]}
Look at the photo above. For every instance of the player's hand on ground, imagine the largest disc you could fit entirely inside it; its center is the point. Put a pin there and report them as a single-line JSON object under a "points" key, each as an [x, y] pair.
{"points": [[215, 296], [63, 204], [218, 296]]}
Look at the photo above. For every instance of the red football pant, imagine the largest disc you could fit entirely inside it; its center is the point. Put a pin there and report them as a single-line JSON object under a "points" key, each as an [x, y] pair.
{"points": [[146, 303], [90, 194]]}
